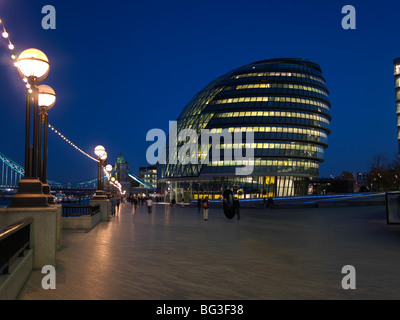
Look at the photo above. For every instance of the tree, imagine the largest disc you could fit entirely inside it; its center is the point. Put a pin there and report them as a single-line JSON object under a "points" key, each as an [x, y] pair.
{"points": [[384, 175], [346, 175]]}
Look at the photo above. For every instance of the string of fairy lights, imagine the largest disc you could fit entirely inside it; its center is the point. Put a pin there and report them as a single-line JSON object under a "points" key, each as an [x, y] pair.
{"points": [[11, 47], [114, 183], [71, 143]]}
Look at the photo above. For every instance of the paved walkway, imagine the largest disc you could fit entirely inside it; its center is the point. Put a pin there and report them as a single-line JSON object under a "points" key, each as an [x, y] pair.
{"points": [[277, 254]]}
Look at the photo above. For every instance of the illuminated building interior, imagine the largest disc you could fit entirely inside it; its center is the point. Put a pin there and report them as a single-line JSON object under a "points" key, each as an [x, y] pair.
{"points": [[285, 102]]}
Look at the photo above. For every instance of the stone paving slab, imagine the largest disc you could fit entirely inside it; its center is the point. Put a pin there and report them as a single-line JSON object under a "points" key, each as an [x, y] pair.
{"points": [[173, 254]]}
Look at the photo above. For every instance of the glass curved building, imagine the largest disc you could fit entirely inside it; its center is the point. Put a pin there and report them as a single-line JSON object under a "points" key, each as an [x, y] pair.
{"points": [[285, 102]]}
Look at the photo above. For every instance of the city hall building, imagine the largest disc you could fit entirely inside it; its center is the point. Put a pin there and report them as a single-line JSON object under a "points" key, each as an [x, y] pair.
{"points": [[285, 102]]}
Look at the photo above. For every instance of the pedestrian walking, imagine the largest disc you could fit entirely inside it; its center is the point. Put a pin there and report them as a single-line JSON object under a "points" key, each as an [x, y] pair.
{"points": [[198, 205], [118, 203], [149, 203], [236, 205], [270, 202], [206, 205], [113, 204], [135, 201]]}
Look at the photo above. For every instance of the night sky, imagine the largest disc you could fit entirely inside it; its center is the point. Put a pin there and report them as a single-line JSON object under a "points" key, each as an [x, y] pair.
{"points": [[122, 68]]}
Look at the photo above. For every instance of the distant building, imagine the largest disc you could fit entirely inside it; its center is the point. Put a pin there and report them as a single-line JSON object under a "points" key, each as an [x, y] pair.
{"points": [[285, 102], [149, 174], [361, 181], [131, 183], [121, 173]]}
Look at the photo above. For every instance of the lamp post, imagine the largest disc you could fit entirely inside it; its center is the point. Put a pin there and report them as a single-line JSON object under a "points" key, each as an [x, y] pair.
{"points": [[99, 151], [33, 66], [111, 183], [103, 159], [117, 185], [47, 99], [109, 169]]}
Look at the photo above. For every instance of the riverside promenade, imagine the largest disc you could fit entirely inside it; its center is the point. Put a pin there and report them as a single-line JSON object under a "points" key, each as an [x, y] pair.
{"points": [[172, 254]]}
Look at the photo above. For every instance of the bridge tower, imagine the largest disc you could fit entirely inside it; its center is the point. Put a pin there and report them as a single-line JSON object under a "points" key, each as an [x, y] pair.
{"points": [[121, 174]]}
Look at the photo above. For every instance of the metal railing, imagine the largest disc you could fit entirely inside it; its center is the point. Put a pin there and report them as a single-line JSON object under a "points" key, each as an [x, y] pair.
{"points": [[14, 240], [83, 210]]}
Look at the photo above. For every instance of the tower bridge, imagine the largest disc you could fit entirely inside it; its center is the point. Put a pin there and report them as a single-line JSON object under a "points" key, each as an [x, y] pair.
{"points": [[11, 172]]}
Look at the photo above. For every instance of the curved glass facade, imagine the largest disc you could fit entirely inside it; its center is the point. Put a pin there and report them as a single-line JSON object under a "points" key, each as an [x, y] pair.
{"points": [[285, 102]]}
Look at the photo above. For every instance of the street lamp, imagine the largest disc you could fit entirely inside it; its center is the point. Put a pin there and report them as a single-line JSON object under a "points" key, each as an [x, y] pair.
{"points": [[47, 99], [33, 66], [103, 159], [117, 185], [109, 168], [100, 152]]}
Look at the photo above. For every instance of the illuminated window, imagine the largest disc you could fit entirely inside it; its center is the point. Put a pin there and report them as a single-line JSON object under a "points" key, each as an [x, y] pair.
{"points": [[277, 99], [279, 74], [274, 113]]}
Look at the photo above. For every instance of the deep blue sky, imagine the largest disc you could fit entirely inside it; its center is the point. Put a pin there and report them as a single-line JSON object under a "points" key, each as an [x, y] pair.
{"points": [[121, 68]]}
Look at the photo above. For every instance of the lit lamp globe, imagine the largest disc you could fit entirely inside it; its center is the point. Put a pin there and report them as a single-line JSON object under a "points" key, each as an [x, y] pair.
{"points": [[113, 179], [104, 156], [33, 64], [109, 168], [99, 151], [47, 97]]}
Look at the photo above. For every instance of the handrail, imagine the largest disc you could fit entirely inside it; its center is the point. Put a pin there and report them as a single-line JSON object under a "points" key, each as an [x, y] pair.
{"points": [[14, 240], [77, 210], [13, 228]]}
